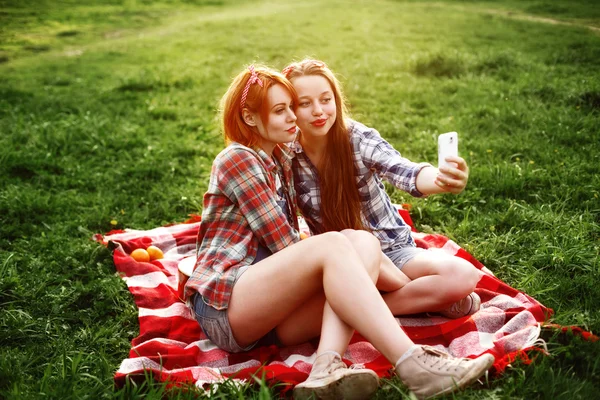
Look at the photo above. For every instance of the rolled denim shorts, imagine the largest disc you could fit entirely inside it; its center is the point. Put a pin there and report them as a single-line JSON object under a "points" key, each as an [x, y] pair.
{"points": [[402, 255], [215, 323]]}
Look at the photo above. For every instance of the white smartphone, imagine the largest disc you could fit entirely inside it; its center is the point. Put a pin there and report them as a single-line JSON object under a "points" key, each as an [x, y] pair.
{"points": [[447, 146]]}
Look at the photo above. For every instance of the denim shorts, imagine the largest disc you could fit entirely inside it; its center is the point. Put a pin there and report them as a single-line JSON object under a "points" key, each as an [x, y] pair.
{"points": [[402, 254], [215, 323]]}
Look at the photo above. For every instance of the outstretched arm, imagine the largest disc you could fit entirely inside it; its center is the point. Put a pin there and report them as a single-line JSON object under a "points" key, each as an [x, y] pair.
{"points": [[379, 156], [418, 179]]}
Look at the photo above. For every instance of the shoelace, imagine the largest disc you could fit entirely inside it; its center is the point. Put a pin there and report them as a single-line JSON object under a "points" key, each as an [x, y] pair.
{"points": [[357, 366], [434, 357], [334, 364]]}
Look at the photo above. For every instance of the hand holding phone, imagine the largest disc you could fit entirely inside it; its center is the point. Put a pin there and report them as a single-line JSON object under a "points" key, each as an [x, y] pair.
{"points": [[447, 146]]}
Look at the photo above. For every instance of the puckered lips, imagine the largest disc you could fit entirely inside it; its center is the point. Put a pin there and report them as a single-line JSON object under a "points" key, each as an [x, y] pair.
{"points": [[319, 122]]}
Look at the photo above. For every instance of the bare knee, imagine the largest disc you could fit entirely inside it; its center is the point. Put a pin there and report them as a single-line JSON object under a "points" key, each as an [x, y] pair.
{"points": [[458, 277], [464, 277], [362, 238], [335, 244], [353, 248], [337, 238], [368, 248]]}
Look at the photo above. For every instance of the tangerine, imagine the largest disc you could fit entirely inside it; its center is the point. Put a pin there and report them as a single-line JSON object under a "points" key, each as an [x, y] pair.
{"points": [[155, 253], [140, 255]]}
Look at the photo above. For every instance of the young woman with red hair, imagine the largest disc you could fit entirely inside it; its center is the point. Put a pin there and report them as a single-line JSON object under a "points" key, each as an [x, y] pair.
{"points": [[256, 282], [338, 167]]}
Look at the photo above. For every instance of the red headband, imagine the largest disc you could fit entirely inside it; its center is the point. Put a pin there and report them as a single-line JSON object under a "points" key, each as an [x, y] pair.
{"points": [[253, 79], [287, 70]]}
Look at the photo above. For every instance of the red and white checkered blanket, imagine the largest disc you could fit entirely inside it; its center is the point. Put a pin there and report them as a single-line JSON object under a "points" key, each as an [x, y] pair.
{"points": [[172, 347]]}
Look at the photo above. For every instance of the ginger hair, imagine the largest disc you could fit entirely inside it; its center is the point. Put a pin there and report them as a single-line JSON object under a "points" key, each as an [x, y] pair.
{"points": [[233, 126]]}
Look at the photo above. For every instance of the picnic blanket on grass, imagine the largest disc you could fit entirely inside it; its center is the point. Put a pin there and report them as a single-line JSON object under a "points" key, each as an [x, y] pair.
{"points": [[171, 347]]}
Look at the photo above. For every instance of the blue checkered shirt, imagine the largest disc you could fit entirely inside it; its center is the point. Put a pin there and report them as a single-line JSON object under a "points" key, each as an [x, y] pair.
{"points": [[374, 159]]}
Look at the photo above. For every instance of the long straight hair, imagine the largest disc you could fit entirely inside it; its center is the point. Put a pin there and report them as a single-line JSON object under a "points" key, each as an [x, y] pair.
{"points": [[340, 200]]}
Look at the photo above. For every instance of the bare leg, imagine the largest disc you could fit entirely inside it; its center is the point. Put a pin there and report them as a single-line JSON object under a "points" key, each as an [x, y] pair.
{"points": [[390, 278], [437, 281], [271, 290], [335, 334], [329, 377], [310, 316]]}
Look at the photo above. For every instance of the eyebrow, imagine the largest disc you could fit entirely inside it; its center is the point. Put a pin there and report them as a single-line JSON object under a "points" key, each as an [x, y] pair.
{"points": [[325, 92], [283, 103]]}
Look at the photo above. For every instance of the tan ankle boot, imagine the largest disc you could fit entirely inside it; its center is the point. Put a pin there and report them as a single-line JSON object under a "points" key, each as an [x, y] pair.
{"points": [[429, 372], [331, 379]]}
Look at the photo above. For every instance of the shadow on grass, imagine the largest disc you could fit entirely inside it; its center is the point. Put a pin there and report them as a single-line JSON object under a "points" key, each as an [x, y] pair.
{"points": [[455, 65]]}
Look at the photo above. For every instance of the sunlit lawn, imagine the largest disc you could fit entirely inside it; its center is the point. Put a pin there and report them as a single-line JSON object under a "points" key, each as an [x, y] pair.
{"points": [[107, 120]]}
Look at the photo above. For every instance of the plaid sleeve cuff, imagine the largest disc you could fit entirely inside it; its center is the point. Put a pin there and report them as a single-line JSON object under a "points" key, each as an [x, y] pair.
{"points": [[413, 179]]}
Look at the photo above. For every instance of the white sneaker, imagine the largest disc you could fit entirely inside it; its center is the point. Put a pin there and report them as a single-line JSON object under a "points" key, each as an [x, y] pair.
{"points": [[467, 306], [429, 372], [331, 379]]}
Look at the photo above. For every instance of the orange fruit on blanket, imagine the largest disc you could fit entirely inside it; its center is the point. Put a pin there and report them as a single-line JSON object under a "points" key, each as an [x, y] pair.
{"points": [[155, 253], [140, 255]]}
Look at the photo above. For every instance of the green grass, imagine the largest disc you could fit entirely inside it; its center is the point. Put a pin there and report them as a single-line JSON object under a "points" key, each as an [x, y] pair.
{"points": [[107, 113]]}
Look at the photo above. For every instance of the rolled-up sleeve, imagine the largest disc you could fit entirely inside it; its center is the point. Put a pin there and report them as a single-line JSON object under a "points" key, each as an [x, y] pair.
{"points": [[378, 155]]}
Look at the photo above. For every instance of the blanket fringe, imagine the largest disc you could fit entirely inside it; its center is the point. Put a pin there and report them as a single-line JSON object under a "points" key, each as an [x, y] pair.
{"points": [[575, 330], [534, 340]]}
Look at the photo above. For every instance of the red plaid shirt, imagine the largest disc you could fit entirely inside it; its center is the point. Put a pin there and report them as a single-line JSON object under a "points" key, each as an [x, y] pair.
{"points": [[240, 210]]}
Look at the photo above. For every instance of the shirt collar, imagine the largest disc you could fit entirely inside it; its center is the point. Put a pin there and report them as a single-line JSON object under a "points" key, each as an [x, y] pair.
{"points": [[282, 153], [295, 146]]}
